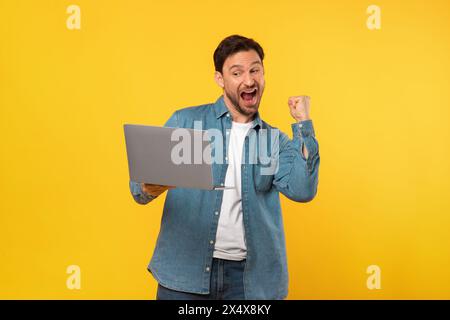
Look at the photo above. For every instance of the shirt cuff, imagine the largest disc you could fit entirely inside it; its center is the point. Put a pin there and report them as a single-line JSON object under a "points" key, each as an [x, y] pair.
{"points": [[303, 129], [137, 191], [303, 134]]}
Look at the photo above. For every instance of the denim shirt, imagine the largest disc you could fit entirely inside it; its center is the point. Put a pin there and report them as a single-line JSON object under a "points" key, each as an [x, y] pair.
{"points": [[184, 250]]}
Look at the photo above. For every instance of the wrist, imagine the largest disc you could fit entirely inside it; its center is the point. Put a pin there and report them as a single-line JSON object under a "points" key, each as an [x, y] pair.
{"points": [[300, 119]]}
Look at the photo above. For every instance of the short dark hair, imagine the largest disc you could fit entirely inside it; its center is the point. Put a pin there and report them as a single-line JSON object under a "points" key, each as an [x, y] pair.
{"points": [[233, 44]]}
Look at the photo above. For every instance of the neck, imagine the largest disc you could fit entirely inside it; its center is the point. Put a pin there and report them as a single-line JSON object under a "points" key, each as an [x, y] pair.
{"points": [[235, 114]]}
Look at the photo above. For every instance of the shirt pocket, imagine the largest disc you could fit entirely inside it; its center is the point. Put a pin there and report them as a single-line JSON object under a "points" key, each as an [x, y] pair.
{"points": [[262, 177]]}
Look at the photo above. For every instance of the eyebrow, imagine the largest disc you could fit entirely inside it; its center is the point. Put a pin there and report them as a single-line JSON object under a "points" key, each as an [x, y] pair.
{"points": [[238, 65]]}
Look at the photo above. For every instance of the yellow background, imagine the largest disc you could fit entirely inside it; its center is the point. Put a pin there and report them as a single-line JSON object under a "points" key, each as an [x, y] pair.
{"points": [[380, 106]]}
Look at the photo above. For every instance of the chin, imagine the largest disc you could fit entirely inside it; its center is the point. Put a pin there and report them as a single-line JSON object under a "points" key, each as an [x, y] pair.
{"points": [[250, 111]]}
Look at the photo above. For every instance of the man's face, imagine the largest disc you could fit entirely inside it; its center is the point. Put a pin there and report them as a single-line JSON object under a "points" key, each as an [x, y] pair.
{"points": [[242, 80]]}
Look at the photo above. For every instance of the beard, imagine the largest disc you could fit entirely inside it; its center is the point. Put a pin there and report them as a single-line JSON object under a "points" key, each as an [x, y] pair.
{"points": [[244, 110]]}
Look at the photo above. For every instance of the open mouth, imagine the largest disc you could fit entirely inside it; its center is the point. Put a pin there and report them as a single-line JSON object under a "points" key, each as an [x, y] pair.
{"points": [[248, 95]]}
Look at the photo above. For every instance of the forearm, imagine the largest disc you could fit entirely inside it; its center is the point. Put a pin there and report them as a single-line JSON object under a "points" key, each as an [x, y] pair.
{"points": [[299, 160]]}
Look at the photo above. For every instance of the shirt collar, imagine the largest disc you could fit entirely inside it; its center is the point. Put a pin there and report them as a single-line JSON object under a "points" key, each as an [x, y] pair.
{"points": [[220, 108]]}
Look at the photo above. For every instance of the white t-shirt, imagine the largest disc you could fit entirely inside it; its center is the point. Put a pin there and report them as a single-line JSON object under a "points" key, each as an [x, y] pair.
{"points": [[230, 238]]}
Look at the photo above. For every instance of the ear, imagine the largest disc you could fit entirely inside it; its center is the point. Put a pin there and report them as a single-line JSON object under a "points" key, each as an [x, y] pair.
{"points": [[219, 79]]}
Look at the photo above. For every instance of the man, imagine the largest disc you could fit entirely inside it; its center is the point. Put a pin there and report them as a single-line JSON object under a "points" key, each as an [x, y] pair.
{"points": [[229, 244]]}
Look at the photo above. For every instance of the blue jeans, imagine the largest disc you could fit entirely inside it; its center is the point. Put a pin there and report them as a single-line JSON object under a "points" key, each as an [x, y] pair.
{"points": [[227, 283]]}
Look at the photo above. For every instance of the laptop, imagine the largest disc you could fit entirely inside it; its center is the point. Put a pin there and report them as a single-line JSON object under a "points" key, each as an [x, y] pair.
{"points": [[167, 156]]}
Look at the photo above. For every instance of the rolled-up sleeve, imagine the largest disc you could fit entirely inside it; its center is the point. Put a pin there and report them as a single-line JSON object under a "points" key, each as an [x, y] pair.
{"points": [[297, 176]]}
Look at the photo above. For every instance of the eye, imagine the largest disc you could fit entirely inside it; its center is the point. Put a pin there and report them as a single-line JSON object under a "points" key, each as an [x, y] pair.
{"points": [[235, 73], [255, 70]]}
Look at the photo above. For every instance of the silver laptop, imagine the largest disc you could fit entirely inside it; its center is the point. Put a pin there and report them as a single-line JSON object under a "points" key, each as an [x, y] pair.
{"points": [[153, 157]]}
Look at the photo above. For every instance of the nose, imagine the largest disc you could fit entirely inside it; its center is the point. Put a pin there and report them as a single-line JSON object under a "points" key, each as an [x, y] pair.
{"points": [[248, 80]]}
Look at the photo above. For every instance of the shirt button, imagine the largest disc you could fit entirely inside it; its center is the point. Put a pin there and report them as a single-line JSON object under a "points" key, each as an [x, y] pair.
{"points": [[228, 132], [207, 269], [216, 213], [211, 242], [228, 115], [300, 125], [226, 158], [221, 184]]}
